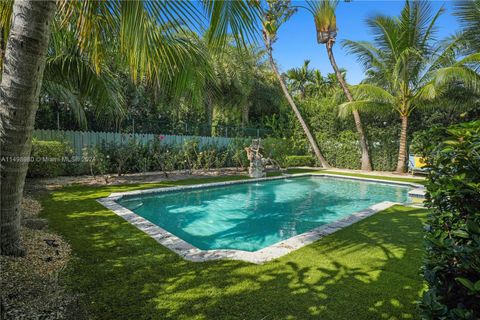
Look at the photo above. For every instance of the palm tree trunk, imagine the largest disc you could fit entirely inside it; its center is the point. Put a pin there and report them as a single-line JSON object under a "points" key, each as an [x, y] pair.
{"points": [[362, 139], [402, 151], [209, 112], [19, 91], [245, 113], [310, 138]]}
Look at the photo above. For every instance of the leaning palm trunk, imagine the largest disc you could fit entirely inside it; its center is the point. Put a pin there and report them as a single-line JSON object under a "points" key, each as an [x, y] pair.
{"points": [[245, 114], [402, 151], [19, 90], [366, 163], [310, 138]]}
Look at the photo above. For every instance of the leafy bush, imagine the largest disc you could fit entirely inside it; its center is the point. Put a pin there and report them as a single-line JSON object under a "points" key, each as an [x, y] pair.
{"points": [[426, 141], [48, 158], [280, 148], [135, 156], [383, 147], [98, 161], [341, 151], [237, 154], [299, 161], [452, 266]]}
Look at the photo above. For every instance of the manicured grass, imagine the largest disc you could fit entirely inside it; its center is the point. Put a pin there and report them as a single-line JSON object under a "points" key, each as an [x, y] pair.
{"points": [[402, 179], [349, 174], [370, 270]]}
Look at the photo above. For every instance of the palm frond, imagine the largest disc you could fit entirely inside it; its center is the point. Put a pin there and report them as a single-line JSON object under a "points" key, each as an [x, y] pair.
{"points": [[346, 109], [372, 93], [366, 53], [68, 74], [240, 18], [428, 92], [468, 12], [457, 73], [445, 54], [66, 97], [473, 59], [6, 9], [386, 33]]}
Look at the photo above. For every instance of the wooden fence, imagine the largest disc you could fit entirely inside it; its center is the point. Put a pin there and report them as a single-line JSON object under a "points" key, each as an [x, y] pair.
{"points": [[81, 139]]}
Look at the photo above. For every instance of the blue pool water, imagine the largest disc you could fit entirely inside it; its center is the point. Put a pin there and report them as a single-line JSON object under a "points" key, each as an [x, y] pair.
{"points": [[251, 216]]}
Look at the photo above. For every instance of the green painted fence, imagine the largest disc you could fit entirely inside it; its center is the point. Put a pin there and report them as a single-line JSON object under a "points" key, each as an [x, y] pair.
{"points": [[80, 139]]}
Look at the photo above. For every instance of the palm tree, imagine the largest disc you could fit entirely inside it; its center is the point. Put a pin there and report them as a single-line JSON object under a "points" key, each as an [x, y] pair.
{"points": [[276, 14], [300, 78], [320, 86], [326, 25], [20, 88], [71, 81], [406, 67], [468, 13], [148, 40], [237, 72]]}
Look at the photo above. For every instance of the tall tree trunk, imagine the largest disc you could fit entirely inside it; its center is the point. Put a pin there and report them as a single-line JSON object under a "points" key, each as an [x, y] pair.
{"points": [[362, 139], [245, 113], [19, 92], [402, 151], [310, 138], [209, 112]]}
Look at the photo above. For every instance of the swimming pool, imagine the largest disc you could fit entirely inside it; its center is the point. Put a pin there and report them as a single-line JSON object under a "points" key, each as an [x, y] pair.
{"points": [[253, 216]]}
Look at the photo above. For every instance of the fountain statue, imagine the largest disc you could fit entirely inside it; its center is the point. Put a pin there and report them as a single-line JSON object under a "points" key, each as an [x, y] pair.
{"points": [[256, 169]]}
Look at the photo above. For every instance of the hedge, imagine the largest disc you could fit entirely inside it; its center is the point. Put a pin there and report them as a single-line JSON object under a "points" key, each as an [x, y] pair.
{"points": [[48, 158], [452, 266], [299, 161]]}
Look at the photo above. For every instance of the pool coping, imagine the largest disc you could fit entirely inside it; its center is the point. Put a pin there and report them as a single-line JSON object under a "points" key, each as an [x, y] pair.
{"points": [[192, 253]]}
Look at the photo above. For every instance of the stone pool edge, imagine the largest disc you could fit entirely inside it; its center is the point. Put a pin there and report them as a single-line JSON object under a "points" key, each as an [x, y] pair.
{"points": [[277, 250]]}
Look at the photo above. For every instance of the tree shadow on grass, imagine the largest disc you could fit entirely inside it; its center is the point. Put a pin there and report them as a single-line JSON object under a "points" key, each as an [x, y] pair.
{"points": [[367, 271]]}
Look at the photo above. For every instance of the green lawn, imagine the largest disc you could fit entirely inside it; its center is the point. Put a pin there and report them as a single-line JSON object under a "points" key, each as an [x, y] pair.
{"points": [[370, 270], [360, 175], [349, 174]]}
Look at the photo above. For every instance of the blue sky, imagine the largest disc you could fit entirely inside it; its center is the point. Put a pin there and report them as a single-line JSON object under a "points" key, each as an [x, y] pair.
{"points": [[297, 40]]}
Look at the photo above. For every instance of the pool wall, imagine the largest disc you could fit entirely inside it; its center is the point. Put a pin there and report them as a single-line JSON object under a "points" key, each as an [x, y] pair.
{"points": [[192, 253]]}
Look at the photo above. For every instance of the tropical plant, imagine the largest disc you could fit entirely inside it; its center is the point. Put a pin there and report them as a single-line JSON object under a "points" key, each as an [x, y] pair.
{"points": [[326, 27], [407, 67], [150, 40], [51, 151], [320, 86], [72, 83], [237, 73], [300, 78], [468, 13], [277, 13], [452, 265]]}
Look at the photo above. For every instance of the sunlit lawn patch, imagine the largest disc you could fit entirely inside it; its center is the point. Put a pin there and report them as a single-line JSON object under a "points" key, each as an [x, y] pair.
{"points": [[367, 271]]}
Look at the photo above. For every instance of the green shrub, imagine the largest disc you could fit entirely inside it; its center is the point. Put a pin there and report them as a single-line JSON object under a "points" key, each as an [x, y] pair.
{"points": [[48, 158], [341, 151], [426, 141], [237, 156], [299, 161], [280, 148], [383, 147], [452, 266], [98, 163]]}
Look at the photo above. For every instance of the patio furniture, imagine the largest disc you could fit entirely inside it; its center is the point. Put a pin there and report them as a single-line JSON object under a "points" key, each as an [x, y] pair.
{"points": [[416, 164]]}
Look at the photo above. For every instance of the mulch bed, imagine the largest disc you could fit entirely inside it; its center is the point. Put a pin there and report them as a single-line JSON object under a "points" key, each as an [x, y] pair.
{"points": [[31, 286]]}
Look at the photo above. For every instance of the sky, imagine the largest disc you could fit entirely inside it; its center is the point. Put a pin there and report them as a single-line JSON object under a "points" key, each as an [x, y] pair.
{"points": [[297, 39]]}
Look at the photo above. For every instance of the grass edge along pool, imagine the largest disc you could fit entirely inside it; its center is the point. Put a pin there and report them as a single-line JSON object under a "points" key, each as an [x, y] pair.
{"points": [[265, 253]]}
